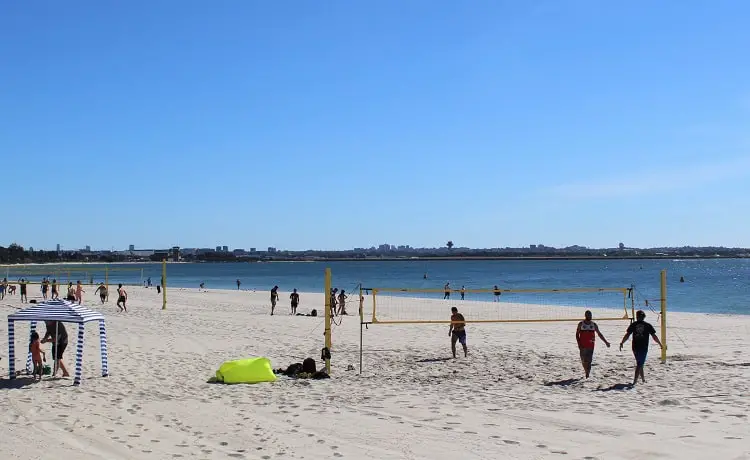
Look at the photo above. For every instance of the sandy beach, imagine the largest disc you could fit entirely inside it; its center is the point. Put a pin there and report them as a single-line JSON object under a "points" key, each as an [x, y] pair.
{"points": [[519, 394]]}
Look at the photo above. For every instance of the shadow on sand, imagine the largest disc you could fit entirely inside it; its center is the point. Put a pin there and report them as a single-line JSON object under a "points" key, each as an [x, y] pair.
{"points": [[616, 387], [17, 383], [562, 383], [434, 360]]}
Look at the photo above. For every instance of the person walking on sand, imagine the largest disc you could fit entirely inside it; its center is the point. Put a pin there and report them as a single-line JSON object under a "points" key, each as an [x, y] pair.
{"points": [[496, 292], [333, 301], [463, 292], [24, 293], [294, 298], [57, 334], [238, 284], [457, 331], [342, 303], [79, 292], [122, 298], [586, 333], [55, 292], [3, 287], [641, 331], [45, 288], [102, 290], [447, 291], [274, 298]]}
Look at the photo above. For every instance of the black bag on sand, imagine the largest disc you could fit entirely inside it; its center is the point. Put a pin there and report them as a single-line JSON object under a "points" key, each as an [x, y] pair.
{"points": [[314, 312], [308, 366]]}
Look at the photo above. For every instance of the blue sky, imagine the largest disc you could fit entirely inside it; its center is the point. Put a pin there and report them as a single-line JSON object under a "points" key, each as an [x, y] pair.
{"points": [[339, 124]]}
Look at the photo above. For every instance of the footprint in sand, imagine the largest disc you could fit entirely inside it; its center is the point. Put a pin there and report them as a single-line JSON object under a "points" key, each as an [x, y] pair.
{"points": [[223, 443], [508, 441], [336, 454], [561, 452]]}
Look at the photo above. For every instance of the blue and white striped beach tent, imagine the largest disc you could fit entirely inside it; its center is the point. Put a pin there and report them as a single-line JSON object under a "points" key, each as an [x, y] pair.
{"points": [[66, 312]]}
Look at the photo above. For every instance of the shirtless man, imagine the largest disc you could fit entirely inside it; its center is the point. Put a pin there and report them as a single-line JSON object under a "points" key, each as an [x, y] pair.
{"points": [[342, 303], [102, 290], [457, 331], [294, 298], [122, 298]]}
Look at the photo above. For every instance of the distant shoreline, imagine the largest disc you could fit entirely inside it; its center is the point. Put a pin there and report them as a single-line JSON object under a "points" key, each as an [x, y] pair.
{"points": [[393, 259]]}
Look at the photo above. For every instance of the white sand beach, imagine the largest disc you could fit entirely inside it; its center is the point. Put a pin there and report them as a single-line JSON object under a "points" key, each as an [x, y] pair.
{"points": [[517, 396]]}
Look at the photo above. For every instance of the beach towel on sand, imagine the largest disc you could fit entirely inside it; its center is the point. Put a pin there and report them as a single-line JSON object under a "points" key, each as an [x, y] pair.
{"points": [[250, 370]]}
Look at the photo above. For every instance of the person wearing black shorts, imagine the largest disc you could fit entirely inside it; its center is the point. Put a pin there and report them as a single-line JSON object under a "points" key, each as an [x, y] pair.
{"points": [[294, 298], [457, 331], [641, 331], [57, 334]]}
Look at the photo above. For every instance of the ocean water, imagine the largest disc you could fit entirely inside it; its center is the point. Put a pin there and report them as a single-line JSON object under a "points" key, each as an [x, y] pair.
{"points": [[711, 285]]}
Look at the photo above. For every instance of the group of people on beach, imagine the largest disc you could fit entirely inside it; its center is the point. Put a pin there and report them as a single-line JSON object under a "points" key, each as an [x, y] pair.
{"points": [[586, 334], [51, 291], [496, 292], [293, 299]]}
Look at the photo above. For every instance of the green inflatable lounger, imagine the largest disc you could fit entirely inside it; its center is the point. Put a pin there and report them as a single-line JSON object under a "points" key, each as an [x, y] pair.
{"points": [[249, 370]]}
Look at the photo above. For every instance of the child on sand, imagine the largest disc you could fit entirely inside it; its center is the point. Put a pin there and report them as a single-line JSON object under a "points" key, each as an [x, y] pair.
{"points": [[79, 292], [38, 356]]}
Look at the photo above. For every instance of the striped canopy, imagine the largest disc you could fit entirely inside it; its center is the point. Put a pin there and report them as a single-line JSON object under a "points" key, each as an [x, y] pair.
{"points": [[57, 310]]}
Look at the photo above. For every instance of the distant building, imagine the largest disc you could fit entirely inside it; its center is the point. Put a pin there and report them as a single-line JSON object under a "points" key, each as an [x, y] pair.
{"points": [[174, 253], [253, 250], [225, 248], [622, 246], [218, 248], [58, 247], [270, 249], [88, 248], [131, 248]]}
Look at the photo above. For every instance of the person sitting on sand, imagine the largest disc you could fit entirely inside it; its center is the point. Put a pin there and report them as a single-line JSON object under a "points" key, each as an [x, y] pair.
{"points": [[294, 298], [38, 356], [342, 302], [274, 298], [586, 333], [122, 298], [641, 330], [457, 331], [102, 290], [57, 334]]}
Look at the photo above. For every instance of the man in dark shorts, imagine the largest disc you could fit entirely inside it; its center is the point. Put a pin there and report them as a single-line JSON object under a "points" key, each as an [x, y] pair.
{"points": [[102, 290], [457, 331], [122, 298], [447, 291], [24, 295], [45, 288], [641, 331], [57, 334], [274, 298], [55, 293], [238, 284], [294, 297], [586, 333], [496, 292]]}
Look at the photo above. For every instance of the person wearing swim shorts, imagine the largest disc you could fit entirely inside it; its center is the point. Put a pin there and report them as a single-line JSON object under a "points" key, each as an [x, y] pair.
{"points": [[457, 331], [294, 298], [122, 298], [586, 333], [447, 291], [641, 331], [57, 334], [102, 290], [24, 293]]}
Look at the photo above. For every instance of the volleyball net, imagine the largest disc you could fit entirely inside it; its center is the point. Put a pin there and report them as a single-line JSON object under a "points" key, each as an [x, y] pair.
{"points": [[415, 306]]}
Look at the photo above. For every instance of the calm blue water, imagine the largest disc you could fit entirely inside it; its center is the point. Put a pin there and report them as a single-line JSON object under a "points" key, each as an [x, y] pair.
{"points": [[713, 285]]}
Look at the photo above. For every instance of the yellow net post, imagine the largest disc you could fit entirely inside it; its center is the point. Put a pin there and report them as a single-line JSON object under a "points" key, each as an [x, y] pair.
{"points": [[327, 296], [164, 284], [663, 316]]}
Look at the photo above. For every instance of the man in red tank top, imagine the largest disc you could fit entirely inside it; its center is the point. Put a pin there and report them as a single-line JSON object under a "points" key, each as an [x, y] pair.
{"points": [[586, 338]]}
